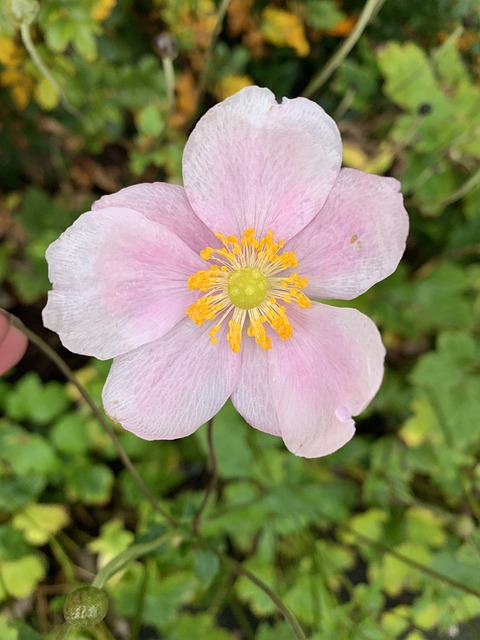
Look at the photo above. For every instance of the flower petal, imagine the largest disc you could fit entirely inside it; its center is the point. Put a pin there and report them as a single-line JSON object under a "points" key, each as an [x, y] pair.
{"points": [[251, 162], [252, 396], [164, 203], [356, 240], [13, 344], [119, 281], [328, 371], [168, 388]]}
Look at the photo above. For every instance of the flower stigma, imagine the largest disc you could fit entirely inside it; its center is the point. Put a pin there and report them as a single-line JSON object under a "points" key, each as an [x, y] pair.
{"points": [[247, 278]]}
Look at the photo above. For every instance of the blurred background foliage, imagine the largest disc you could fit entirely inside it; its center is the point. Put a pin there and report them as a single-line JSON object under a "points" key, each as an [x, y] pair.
{"points": [[378, 541]]}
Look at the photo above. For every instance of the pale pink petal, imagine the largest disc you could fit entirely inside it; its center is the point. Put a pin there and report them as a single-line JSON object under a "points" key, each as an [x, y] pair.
{"points": [[168, 388], [164, 203], [251, 162], [327, 372], [356, 240], [119, 281], [252, 396], [13, 344]]}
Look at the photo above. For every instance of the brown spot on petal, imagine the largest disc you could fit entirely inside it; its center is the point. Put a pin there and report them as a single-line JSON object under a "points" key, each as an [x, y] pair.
{"points": [[355, 241]]}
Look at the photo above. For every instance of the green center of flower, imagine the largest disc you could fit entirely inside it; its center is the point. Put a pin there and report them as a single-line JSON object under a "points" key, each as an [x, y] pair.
{"points": [[247, 287]]}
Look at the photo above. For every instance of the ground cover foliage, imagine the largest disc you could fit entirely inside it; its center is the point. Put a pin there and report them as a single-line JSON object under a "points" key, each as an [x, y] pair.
{"points": [[380, 540]]}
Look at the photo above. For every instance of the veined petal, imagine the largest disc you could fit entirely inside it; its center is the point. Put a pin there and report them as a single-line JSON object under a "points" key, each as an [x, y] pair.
{"points": [[252, 396], [328, 371], [356, 240], [168, 388], [166, 204], [253, 163], [119, 281]]}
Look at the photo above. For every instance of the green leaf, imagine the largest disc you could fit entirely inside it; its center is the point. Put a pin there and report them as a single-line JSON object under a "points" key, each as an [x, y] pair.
{"points": [[6, 631], [113, 539], [40, 521], [409, 79], [248, 592], [37, 402], [17, 491], [150, 120], [450, 377], [206, 566], [188, 626], [398, 576], [26, 452], [85, 43], [69, 434], [164, 597], [449, 64], [12, 544], [89, 483], [424, 526], [20, 577]]}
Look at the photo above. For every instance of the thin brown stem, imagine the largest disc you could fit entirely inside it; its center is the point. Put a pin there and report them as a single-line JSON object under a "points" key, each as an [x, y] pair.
{"points": [[412, 563], [212, 485], [69, 374], [240, 570]]}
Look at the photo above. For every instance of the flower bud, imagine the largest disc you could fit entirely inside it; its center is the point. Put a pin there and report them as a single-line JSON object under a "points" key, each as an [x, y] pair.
{"points": [[23, 11], [166, 45], [85, 607]]}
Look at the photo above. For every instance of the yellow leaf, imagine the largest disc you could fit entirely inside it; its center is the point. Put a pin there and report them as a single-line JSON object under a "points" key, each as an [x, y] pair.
{"points": [[425, 526], [231, 84], [102, 9], [284, 29], [397, 574], [422, 426], [356, 158], [46, 94], [39, 521], [20, 577], [369, 524]]}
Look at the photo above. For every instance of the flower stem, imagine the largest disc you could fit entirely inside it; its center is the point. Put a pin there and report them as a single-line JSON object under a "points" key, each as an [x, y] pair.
{"points": [[222, 10], [169, 73], [239, 569], [38, 62], [121, 560], [69, 374], [370, 9], [213, 478]]}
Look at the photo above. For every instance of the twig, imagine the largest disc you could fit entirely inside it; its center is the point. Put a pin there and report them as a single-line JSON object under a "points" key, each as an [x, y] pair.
{"points": [[412, 563], [239, 569], [38, 62], [213, 478], [370, 9], [222, 10]]}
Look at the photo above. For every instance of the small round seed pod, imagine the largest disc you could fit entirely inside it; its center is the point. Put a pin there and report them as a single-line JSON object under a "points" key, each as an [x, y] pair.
{"points": [[85, 607]]}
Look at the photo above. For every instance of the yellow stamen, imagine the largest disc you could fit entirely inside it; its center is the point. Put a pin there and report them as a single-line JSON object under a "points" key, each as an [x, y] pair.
{"points": [[234, 335], [248, 277], [212, 333]]}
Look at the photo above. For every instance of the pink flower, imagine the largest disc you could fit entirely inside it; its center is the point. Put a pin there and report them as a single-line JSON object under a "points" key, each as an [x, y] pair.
{"points": [[13, 344], [204, 292]]}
